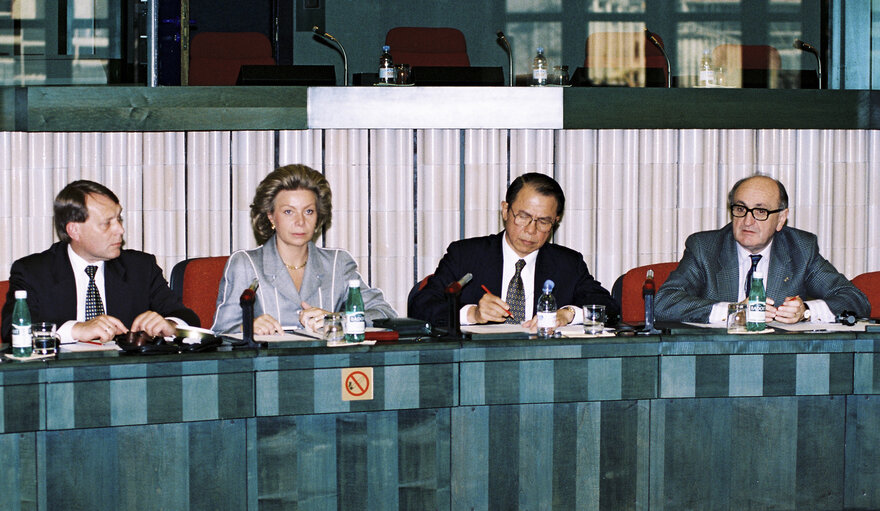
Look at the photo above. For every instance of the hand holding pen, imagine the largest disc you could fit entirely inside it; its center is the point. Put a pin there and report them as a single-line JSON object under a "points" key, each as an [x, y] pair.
{"points": [[490, 309]]}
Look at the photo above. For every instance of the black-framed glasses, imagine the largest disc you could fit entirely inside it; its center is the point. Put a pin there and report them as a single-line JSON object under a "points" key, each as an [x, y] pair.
{"points": [[759, 214], [524, 219]]}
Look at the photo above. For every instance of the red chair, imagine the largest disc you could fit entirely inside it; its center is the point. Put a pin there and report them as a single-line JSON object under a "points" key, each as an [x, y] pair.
{"points": [[622, 58], [869, 283], [425, 46], [215, 58], [197, 281], [4, 288], [632, 304]]}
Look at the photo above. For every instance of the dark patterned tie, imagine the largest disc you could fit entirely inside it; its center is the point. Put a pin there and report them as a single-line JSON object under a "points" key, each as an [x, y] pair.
{"points": [[94, 307], [755, 259], [516, 296]]}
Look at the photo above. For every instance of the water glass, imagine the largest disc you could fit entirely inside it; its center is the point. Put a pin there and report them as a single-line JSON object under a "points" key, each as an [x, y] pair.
{"points": [[594, 319], [45, 338], [736, 318], [403, 72], [332, 331]]}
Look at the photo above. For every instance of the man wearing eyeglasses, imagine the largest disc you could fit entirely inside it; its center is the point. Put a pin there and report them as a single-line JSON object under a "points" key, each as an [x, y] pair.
{"points": [[715, 267], [513, 265]]}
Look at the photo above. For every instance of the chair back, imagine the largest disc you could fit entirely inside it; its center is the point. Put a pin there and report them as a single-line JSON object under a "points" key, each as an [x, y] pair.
{"points": [[622, 58], [748, 65], [215, 58], [869, 283], [632, 303], [197, 281], [4, 289], [427, 46]]}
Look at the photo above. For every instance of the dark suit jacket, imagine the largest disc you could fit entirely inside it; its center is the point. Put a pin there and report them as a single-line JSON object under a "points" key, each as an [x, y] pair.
{"points": [[483, 258], [709, 273], [133, 284]]}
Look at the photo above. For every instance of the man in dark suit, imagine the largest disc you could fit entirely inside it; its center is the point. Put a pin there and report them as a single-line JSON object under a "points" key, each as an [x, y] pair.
{"points": [[87, 273], [714, 268], [531, 212]]}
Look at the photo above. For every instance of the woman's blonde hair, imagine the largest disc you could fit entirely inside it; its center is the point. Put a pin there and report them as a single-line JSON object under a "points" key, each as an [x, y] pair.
{"points": [[290, 177]]}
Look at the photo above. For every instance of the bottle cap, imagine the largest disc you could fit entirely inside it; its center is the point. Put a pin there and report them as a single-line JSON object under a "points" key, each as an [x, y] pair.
{"points": [[386, 48], [540, 49], [354, 283], [548, 285], [21, 293]]}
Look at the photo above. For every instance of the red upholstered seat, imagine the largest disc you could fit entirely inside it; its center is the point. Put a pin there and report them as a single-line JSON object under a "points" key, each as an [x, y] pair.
{"points": [[4, 288], [620, 57], [199, 285], [869, 283], [632, 304], [216, 57], [426, 46]]}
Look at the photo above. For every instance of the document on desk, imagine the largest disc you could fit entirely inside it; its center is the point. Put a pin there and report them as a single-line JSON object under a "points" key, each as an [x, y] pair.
{"points": [[803, 326], [76, 347], [496, 331], [289, 335]]}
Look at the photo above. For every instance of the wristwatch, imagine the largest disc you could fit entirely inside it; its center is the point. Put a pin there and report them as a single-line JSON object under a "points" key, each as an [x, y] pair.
{"points": [[807, 314]]}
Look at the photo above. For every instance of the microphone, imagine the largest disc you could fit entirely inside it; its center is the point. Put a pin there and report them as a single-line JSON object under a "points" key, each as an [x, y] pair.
{"points": [[247, 299], [506, 45], [657, 44], [648, 290], [329, 37], [809, 48], [455, 287]]}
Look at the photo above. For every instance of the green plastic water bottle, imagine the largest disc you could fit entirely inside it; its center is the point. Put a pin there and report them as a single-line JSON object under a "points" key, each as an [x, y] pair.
{"points": [[355, 322], [22, 336], [756, 319]]}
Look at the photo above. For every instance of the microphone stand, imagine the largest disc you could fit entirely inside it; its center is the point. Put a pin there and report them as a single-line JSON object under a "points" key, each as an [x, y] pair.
{"points": [[648, 289], [329, 37], [506, 45], [247, 299], [453, 302], [809, 48], [656, 42]]}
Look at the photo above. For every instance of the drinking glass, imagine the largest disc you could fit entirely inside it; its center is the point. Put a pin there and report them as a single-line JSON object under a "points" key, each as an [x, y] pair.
{"points": [[332, 331], [594, 319], [736, 318], [45, 338]]}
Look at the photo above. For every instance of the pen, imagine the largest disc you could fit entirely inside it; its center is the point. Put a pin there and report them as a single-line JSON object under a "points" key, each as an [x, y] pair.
{"points": [[99, 343], [486, 289]]}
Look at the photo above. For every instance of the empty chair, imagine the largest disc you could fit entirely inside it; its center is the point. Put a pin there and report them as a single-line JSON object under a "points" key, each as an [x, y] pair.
{"points": [[628, 289], [197, 281], [869, 283], [625, 58], [427, 46], [216, 57], [748, 65]]}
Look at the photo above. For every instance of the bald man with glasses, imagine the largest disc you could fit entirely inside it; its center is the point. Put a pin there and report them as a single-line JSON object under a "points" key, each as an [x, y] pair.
{"points": [[714, 271], [509, 268]]}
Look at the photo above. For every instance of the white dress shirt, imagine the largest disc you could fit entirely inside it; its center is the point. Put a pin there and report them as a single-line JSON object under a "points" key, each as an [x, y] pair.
{"points": [[82, 286]]}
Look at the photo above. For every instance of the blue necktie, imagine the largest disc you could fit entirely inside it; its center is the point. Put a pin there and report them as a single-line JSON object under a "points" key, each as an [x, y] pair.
{"points": [[755, 259], [516, 296], [94, 306]]}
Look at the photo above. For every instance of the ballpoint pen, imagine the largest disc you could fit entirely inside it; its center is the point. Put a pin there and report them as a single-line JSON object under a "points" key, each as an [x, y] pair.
{"points": [[486, 289]]}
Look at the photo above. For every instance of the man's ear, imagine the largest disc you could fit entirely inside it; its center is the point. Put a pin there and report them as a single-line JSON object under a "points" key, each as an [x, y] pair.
{"points": [[72, 230], [504, 210]]}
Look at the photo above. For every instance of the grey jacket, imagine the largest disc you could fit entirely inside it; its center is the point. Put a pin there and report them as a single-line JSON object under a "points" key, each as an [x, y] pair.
{"points": [[708, 273], [325, 285]]}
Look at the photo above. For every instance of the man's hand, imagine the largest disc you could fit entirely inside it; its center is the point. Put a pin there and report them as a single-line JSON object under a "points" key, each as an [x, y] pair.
{"points": [[153, 324], [491, 308], [102, 328], [563, 317], [791, 311]]}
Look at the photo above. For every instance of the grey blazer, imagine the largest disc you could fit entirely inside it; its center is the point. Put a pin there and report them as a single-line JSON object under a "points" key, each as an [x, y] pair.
{"points": [[708, 273], [325, 285]]}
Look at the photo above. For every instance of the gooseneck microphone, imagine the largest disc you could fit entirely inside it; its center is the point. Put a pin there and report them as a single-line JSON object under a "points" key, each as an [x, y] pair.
{"points": [[506, 45], [329, 37], [247, 299], [809, 48], [657, 44], [455, 287]]}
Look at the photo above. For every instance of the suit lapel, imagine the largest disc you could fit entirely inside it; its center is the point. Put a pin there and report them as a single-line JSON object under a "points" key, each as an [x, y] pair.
{"points": [[65, 284], [115, 288], [779, 278], [727, 276], [278, 275], [312, 279]]}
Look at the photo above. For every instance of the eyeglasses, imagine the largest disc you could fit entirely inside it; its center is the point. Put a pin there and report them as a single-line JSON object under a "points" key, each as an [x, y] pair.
{"points": [[760, 214], [524, 219]]}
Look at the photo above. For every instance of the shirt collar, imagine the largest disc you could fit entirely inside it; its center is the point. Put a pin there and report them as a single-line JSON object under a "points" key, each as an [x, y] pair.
{"points": [[78, 263]]}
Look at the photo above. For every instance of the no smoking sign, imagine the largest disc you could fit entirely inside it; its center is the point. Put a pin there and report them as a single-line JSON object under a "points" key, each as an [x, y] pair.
{"points": [[357, 384]]}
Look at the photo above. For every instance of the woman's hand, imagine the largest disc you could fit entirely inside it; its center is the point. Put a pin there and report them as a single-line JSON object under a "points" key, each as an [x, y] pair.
{"points": [[311, 317], [267, 325]]}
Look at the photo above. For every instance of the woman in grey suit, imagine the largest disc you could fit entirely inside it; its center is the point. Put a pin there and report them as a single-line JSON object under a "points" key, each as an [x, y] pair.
{"points": [[298, 281]]}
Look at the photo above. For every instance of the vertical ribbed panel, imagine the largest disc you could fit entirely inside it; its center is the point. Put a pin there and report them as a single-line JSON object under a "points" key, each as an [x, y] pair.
{"points": [[253, 157], [346, 165], [485, 181], [391, 214], [633, 196], [437, 201], [208, 189]]}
